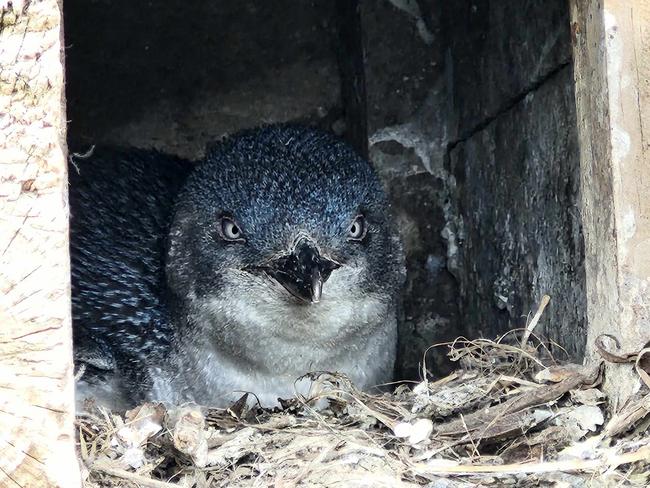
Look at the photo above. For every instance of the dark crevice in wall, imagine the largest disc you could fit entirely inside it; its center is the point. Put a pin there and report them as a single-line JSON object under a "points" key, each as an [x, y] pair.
{"points": [[509, 105]]}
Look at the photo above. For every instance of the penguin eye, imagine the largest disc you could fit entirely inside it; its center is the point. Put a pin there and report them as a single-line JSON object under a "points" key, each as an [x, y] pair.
{"points": [[357, 229], [230, 231]]}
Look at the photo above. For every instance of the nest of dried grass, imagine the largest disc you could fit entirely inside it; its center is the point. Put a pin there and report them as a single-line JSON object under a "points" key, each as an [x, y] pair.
{"points": [[510, 414]]}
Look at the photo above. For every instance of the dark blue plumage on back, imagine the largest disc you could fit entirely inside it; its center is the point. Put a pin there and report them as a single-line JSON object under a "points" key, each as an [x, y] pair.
{"points": [[274, 256], [120, 203]]}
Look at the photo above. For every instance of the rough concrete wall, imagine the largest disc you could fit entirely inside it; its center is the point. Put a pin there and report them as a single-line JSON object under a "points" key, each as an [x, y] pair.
{"points": [[406, 123]]}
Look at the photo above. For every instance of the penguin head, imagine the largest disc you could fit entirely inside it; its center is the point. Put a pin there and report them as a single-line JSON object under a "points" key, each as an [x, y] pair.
{"points": [[285, 216]]}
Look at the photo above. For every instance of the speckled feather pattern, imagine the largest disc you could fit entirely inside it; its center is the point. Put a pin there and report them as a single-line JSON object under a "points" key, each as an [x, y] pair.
{"points": [[120, 204], [164, 309]]}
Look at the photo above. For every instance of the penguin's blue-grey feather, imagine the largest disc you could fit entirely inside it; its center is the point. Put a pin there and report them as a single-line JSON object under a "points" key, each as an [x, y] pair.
{"points": [[121, 202]]}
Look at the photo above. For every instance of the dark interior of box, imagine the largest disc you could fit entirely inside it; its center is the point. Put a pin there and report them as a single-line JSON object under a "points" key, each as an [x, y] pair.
{"points": [[467, 107]]}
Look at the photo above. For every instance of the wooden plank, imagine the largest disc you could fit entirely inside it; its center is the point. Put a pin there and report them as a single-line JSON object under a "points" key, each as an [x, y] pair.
{"points": [[353, 77], [36, 385], [612, 68]]}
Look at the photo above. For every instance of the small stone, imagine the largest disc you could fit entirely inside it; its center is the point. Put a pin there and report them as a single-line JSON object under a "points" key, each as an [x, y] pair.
{"points": [[421, 430], [402, 429]]}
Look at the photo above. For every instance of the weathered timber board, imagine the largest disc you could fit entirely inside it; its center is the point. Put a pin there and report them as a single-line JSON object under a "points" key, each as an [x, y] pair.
{"points": [[611, 41], [36, 387]]}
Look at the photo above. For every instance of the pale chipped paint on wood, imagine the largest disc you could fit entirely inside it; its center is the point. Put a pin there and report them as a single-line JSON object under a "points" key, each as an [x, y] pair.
{"points": [[36, 385], [612, 69]]}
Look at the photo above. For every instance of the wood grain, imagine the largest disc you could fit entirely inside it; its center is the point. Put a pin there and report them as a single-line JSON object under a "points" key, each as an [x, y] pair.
{"points": [[611, 40], [36, 386]]}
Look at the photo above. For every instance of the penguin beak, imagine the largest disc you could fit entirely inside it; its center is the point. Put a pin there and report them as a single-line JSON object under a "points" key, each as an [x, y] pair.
{"points": [[303, 272]]}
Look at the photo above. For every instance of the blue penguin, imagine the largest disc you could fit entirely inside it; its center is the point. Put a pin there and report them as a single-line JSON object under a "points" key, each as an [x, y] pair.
{"points": [[273, 256]]}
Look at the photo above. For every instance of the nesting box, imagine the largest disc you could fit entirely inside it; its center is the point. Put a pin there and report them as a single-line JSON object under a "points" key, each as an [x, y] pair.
{"points": [[511, 137]]}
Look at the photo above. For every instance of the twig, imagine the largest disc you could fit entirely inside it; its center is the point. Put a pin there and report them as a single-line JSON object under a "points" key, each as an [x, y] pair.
{"points": [[610, 462], [521, 402], [469, 436], [135, 478], [629, 416], [86, 155], [533, 323], [603, 350]]}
